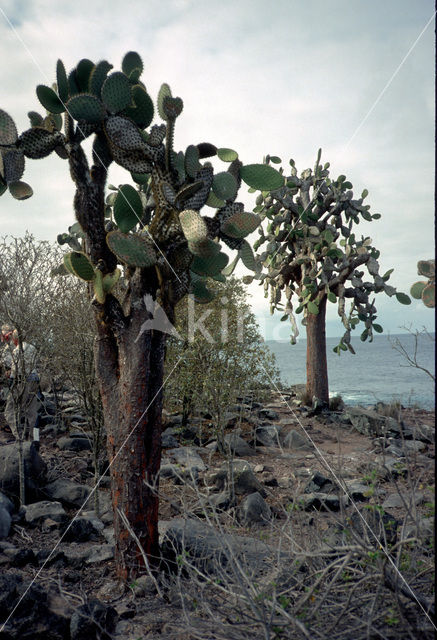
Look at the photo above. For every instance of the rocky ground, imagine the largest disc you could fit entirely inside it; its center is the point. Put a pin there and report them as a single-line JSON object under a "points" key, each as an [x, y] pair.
{"points": [[271, 540]]}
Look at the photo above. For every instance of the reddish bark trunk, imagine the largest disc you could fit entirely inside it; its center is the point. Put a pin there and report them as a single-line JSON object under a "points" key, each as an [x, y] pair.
{"points": [[317, 368], [130, 374]]}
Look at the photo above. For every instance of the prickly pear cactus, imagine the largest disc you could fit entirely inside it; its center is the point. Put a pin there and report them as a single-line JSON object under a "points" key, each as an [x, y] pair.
{"points": [[311, 252], [425, 290], [156, 222]]}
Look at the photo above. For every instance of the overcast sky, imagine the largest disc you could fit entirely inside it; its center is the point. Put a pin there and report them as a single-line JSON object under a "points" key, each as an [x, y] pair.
{"points": [[283, 77]]}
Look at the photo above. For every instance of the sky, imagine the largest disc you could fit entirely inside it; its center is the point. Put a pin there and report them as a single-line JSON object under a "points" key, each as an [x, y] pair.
{"points": [[283, 77]]}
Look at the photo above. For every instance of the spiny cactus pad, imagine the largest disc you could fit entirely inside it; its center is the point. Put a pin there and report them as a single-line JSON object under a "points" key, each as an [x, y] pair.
{"points": [[241, 224], [261, 177], [85, 106], [134, 250], [132, 65], [202, 295], [98, 77], [192, 164], [246, 254], [209, 266], [426, 268], [193, 225], [20, 190], [8, 130], [84, 70], [35, 118], [13, 165], [428, 295], [62, 81], [49, 99], [225, 186], [142, 112], [227, 155], [172, 107], [116, 92], [205, 248], [417, 288], [164, 92], [124, 133], [128, 208], [37, 142], [78, 264]]}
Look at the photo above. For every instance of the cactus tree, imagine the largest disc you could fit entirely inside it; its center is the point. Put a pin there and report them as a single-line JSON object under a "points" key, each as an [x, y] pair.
{"points": [[312, 254], [423, 290], [149, 236]]}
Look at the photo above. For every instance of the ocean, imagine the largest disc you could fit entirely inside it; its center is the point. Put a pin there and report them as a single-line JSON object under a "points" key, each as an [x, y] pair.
{"points": [[376, 373]]}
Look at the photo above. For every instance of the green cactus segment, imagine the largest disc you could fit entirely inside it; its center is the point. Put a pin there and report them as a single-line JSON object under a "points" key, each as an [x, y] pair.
{"points": [[193, 225], [133, 161], [84, 70], [98, 77], [79, 265], [140, 178], [134, 250], [116, 92], [192, 164], [205, 248], [13, 165], [49, 99], [426, 268], [128, 208], [38, 143], [261, 177], [187, 192], [60, 270], [417, 288], [62, 81], [8, 130], [163, 92], [246, 254], [214, 202], [84, 106], [428, 295], [52, 122], [206, 150], [241, 224], [36, 119], [403, 298], [73, 87], [3, 185], [99, 291], [209, 266], [227, 155], [225, 186], [229, 270], [110, 280], [132, 65], [124, 134], [101, 152], [20, 190], [312, 308], [143, 111], [172, 107], [202, 295]]}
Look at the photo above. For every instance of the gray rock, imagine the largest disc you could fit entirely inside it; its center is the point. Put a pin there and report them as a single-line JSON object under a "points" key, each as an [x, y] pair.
{"points": [[358, 491], [424, 432], [100, 553], [213, 551], [268, 414], [168, 439], [6, 503], [269, 435], [91, 620], [319, 502], [5, 522], [34, 466], [423, 529], [36, 513], [294, 440], [109, 535], [144, 585], [236, 445], [74, 444], [395, 500], [244, 479], [374, 527], [389, 466], [69, 493], [254, 510], [319, 483], [179, 474], [82, 529], [366, 421], [187, 457]]}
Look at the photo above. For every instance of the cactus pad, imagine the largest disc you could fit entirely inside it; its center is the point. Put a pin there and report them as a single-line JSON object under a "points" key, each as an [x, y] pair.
{"points": [[261, 177], [192, 164], [196, 201], [214, 202], [193, 225], [98, 77], [164, 92], [246, 254], [227, 155], [20, 190], [132, 65], [142, 112], [13, 165], [133, 161], [225, 186], [98, 287], [205, 248], [84, 70], [116, 92], [202, 295], [124, 133], [209, 266], [36, 119], [428, 295], [426, 268], [8, 130], [49, 99], [85, 106], [78, 264], [62, 81], [38, 142], [416, 289], [172, 107], [241, 224], [134, 250], [206, 150], [128, 208]]}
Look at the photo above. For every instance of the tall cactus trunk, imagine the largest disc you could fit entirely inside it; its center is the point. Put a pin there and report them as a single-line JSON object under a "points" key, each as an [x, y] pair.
{"points": [[317, 367], [130, 375]]}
